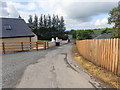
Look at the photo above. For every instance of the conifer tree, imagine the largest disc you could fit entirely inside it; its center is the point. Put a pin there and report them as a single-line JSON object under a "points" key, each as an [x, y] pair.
{"points": [[30, 20], [49, 21], [35, 24], [41, 21], [62, 25], [47, 27]]}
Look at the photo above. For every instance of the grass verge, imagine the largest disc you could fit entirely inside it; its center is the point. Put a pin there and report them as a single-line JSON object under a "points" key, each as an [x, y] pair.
{"points": [[98, 72], [44, 40]]}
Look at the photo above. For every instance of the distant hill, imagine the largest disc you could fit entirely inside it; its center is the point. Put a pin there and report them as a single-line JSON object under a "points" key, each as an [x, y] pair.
{"points": [[104, 32]]}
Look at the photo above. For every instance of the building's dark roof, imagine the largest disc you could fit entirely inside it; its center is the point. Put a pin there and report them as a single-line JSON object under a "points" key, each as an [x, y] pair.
{"points": [[19, 28], [103, 36], [95, 35], [30, 25]]}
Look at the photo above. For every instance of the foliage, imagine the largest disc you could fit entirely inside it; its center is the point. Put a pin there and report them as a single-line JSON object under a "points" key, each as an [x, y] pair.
{"points": [[72, 32], [83, 34], [105, 31], [47, 27], [115, 19], [35, 24], [98, 31], [30, 20], [80, 34]]}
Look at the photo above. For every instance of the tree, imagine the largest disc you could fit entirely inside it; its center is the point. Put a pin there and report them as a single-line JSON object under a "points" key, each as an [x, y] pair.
{"points": [[30, 20], [47, 27], [104, 31], [57, 23], [49, 21], [115, 19], [53, 26], [41, 21], [62, 25], [53, 21], [35, 24], [73, 32], [83, 34], [45, 21]]}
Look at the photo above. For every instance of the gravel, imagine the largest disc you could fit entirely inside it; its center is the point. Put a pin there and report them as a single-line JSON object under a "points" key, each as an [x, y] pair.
{"points": [[14, 64]]}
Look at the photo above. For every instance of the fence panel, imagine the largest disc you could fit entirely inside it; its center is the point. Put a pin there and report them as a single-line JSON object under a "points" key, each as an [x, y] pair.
{"points": [[102, 52], [8, 47]]}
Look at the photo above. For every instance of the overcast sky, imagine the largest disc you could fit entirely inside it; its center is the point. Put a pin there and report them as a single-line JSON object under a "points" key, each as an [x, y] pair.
{"points": [[78, 14]]}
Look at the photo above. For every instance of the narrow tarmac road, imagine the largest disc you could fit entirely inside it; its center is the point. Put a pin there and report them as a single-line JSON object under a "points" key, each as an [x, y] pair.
{"points": [[54, 71]]}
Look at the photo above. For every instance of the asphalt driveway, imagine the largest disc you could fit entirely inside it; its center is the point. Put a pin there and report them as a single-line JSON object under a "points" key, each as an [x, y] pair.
{"points": [[14, 64], [56, 70], [51, 68]]}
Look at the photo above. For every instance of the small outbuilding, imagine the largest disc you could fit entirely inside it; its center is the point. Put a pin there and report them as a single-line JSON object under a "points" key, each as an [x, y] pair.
{"points": [[15, 35], [16, 30]]}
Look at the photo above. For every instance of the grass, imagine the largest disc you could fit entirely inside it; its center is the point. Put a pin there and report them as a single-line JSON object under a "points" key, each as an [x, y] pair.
{"points": [[96, 71], [44, 40], [98, 31], [73, 39]]}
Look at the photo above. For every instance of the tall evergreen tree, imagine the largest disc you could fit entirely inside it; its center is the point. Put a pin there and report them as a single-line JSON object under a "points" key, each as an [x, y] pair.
{"points": [[49, 21], [41, 21], [62, 25], [30, 20], [35, 24], [47, 27], [53, 26], [53, 21], [45, 22], [57, 23]]}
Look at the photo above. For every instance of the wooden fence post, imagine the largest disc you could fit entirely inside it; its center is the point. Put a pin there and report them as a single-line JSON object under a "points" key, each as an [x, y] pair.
{"points": [[37, 46], [30, 45], [44, 45], [118, 73], [22, 46], [3, 45], [47, 44]]}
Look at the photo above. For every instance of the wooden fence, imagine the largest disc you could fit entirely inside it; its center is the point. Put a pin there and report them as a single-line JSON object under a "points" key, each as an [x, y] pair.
{"points": [[7, 47], [102, 52]]}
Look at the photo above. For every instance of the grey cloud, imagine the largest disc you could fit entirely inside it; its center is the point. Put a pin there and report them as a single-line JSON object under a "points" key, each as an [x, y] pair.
{"points": [[7, 10], [3, 12], [12, 12], [84, 11], [3, 4]]}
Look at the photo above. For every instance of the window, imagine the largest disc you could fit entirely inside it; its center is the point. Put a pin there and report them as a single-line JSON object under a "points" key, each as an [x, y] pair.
{"points": [[7, 27]]}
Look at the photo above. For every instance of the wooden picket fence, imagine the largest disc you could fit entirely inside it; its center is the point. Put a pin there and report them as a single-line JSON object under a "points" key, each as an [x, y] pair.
{"points": [[8, 47], [102, 52]]}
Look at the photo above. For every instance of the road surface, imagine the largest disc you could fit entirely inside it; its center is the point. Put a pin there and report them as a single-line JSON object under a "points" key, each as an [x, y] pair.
{"points": [[56, 70], [14, 64]]}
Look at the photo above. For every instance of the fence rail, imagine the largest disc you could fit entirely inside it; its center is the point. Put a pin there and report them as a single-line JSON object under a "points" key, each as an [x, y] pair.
{"points": [[102, 52], [7, 47]]}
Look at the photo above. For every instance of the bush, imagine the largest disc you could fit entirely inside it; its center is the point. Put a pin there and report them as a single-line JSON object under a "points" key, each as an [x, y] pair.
{"points": [[83, 34]]}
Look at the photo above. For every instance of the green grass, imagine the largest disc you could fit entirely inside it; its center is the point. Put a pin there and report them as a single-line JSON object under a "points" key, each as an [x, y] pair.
{"points": [[110, 30], [98, 31], [73, 39], [44, 40]]}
